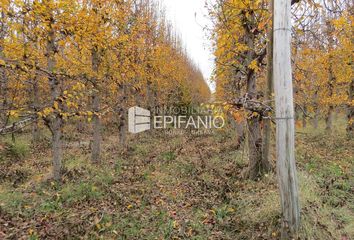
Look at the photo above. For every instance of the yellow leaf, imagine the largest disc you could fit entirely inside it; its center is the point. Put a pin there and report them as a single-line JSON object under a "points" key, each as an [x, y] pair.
{"points": [[30, 231], [254, 65], [231, 210], [175, 224], [56, 105], [255, 114], [13, 113]]}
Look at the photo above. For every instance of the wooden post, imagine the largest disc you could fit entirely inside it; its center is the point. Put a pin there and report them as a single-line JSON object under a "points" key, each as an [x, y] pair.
{"points": [[283, 87]]}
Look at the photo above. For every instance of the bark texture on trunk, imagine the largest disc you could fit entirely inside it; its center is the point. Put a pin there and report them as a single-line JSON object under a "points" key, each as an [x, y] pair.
{"points": [[350, 125], [55, 122], [57, 148], [304, 119], [329, 119], [122, 114], [331, 79], [3, 96], [286, 167], [3, 77], [257, 165], [316, 111], [267, 131], [315, 120], [149, 96], [35, 107], [96, 122]]}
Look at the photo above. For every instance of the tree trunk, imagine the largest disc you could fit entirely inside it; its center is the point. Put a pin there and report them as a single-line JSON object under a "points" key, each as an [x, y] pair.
{"points": [[122, 116], [304, 120], [329, 119], [80, 127], [330, 111], [315, 119], [331, 79], [56, 122], [96, 122], [3, 94], [257, 165], [35, 131], [267, 131], [317, 111], [149, 96], [122, 129], [286, 167], [350, 125], [57, 148], [296, 114], [35, 107], [3, 77]]}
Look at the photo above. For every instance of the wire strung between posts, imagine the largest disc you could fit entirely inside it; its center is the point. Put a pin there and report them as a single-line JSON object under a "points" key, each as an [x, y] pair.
{"points": [[285, 29], [284, 118]]}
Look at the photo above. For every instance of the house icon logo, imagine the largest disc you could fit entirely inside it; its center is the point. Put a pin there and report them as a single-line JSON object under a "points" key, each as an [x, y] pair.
{"points": [[139, 120]]}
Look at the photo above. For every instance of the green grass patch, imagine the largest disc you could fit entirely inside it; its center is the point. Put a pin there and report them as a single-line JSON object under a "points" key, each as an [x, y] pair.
{"points": [[17, 150], [13, 202], [168, 156], [83, 191]]}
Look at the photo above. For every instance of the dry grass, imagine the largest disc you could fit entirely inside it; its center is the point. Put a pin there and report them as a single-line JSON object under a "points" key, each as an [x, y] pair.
{"points": [[174, 188]]}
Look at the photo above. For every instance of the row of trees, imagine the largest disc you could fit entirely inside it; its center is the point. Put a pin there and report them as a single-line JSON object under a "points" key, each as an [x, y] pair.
{"points": [[240, 43], [322, 62], [322, 48], [65, 61]]}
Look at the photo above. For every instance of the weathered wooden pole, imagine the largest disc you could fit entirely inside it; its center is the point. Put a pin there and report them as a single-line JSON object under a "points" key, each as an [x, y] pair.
{"points": [[283, 87]]}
